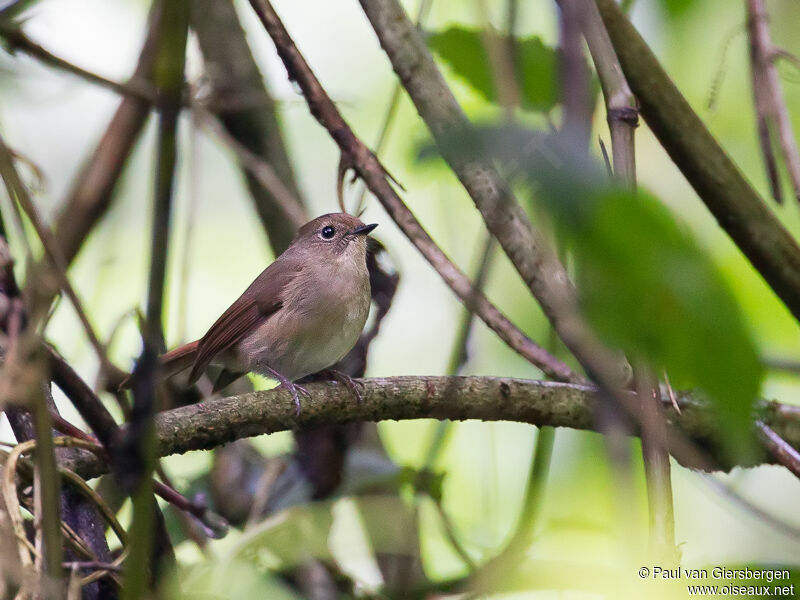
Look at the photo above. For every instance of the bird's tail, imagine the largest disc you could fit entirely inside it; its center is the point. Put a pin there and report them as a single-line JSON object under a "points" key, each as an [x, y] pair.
{"points": [[172, 363]]}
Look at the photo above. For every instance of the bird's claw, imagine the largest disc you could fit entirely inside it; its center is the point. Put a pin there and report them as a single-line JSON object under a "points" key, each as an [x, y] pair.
{"points": [[352, 384], [295, 390]]}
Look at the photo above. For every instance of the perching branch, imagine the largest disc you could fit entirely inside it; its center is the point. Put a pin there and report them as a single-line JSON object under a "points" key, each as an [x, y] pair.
{"points": [[541, 403], [737, 207]]}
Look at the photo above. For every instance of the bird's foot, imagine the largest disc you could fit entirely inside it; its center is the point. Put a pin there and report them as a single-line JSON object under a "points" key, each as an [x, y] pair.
{"points": [[294, 389], [352, 385]]}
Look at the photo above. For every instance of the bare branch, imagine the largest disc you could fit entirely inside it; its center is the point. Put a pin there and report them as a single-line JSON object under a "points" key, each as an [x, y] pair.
{"points": [[785, 454], [219, 421], [282, 196], [18, 40], [621, 111], [771, 112], [442, 114]]}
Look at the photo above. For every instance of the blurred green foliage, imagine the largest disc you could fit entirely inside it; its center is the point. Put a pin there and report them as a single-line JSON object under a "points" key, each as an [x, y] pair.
{"points": [[465, 51]]}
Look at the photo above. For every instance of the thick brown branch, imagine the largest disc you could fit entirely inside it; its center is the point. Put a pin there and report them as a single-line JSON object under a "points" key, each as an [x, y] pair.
{"points": [[219, 421]]}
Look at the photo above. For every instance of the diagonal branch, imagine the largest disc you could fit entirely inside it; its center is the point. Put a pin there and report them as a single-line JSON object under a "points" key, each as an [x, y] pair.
{"points": [[18, 40], [356, 154], [90, 196], [541, 403], [505, 218]]}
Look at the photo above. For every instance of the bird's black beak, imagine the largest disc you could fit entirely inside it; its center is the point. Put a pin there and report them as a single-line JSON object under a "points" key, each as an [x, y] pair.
{"points": [[364, 229]]}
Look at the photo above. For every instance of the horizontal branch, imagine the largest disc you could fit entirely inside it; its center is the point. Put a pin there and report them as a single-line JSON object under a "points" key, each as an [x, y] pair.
{"points": [[219, 421]]}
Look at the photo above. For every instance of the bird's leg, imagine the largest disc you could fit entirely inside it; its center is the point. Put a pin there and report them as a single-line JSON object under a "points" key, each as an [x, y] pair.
{"points": [[291, 387], [344, 378]]}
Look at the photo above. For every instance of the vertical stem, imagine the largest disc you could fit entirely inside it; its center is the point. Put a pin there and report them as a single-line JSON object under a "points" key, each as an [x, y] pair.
{"points": [[534, 493], [169, 80], [575, 98], [656, 470], [48, 497], [25, 349], [621, 111], [622, 120], [771, 111]]}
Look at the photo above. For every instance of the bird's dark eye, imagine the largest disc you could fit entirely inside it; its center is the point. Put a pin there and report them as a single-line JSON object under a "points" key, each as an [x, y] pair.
{"points": [[328, 232]]}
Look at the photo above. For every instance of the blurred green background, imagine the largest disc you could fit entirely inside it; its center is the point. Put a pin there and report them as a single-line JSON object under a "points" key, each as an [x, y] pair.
{"points": [[54, 119]]}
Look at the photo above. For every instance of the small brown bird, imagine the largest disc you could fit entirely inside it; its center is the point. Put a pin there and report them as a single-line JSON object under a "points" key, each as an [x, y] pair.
{"points": [[301, 315]]}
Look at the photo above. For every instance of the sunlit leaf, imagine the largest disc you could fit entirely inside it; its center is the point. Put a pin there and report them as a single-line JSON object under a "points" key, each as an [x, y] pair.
{"points": [[464, 50]]}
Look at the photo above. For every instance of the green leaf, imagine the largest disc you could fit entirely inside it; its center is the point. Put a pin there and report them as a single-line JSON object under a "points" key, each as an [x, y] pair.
{"points": [[644, 284], [464, 51], [648, 289]]}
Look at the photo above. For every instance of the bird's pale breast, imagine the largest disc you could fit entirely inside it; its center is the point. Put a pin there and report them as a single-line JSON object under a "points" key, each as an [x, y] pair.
{"points": [[322, 317]]}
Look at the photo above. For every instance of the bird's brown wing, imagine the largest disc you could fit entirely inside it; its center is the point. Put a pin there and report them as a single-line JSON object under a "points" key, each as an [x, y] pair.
{"points": [[262, 299]]}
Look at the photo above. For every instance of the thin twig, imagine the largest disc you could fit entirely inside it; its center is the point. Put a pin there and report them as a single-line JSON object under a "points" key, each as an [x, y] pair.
{"points": [[18, 40], [90, 195], [501, 61], [55, 257], [771, 111], [787, 529], [259, 168], [788, 365], [785, 454]]}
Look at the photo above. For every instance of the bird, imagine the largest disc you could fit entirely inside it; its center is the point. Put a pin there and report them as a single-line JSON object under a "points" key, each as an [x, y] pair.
{"points": [[300, 316]]}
